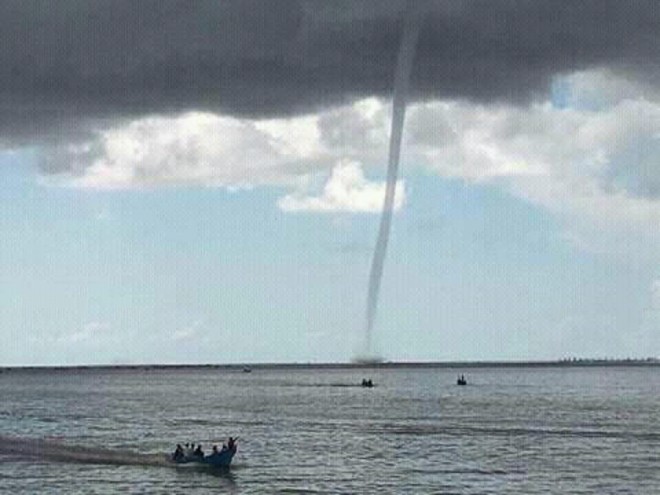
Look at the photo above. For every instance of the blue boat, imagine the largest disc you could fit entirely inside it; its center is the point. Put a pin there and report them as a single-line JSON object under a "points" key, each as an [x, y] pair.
{"points": [[221, 458]]}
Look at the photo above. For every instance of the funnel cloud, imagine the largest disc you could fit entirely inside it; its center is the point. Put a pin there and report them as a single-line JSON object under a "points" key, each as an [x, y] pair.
{"points": [[404, 65]]}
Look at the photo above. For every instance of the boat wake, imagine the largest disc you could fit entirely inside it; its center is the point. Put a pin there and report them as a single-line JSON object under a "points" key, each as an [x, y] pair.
{"points": [[31, 449]]}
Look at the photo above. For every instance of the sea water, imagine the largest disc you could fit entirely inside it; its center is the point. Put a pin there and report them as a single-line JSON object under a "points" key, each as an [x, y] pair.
{"points": [[526, 430]]}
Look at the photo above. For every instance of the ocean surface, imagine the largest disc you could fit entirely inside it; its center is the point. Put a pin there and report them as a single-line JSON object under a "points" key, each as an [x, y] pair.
{"points": [[574, 430]]}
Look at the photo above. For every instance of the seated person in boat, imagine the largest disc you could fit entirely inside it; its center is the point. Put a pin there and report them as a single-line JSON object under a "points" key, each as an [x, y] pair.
{"points": [[198, 451], [178, 453]]}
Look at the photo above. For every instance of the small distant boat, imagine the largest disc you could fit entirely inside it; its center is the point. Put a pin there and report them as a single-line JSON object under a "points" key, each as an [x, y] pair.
{"points": [[461, 380], [220, 459], [367, 383], [247, 369]]}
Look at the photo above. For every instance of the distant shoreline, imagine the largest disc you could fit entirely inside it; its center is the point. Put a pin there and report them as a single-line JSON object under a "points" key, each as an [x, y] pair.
{"points": [[572, 363]]}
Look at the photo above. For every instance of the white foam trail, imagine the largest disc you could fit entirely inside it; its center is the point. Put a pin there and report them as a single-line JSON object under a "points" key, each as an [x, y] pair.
{"points": [[404, 64]]}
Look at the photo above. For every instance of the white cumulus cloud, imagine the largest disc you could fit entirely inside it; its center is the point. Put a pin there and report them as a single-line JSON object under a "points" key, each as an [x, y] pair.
{"points": [[596, 169], [93, 332], [655, 294], [187, 333], [347, 190], [89, 331], [191, 149], [589, 155]]}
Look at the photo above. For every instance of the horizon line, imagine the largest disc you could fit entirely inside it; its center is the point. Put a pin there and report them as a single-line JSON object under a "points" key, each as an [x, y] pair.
{"points": [[566, 362]]}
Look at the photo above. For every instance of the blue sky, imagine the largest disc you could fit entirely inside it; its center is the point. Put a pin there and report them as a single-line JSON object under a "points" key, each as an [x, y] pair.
{"points": [[206, 274], [204, 184]]}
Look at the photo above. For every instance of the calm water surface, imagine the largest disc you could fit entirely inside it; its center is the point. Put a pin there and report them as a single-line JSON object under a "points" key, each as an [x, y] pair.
{"points": [[510, 431]]}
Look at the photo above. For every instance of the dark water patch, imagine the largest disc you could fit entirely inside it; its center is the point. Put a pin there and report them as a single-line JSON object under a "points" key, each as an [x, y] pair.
{"points": [[298, 490], [523, 432], [293, 384], [465, 471], [30, 449], [329, 385]]}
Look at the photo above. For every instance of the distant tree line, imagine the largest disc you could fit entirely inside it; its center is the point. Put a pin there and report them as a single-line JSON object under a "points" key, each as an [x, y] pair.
{"points": [[586, 360]]}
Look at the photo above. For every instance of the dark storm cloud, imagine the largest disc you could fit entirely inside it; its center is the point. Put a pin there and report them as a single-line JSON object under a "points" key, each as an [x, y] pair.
{"points": [[66, 66]]}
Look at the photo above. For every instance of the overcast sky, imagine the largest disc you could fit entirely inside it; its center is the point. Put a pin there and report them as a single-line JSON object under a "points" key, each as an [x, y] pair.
{"points": [[201, 181]]}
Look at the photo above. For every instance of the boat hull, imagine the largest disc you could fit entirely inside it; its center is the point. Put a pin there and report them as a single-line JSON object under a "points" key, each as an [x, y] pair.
{"points": [[220, 459]]}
